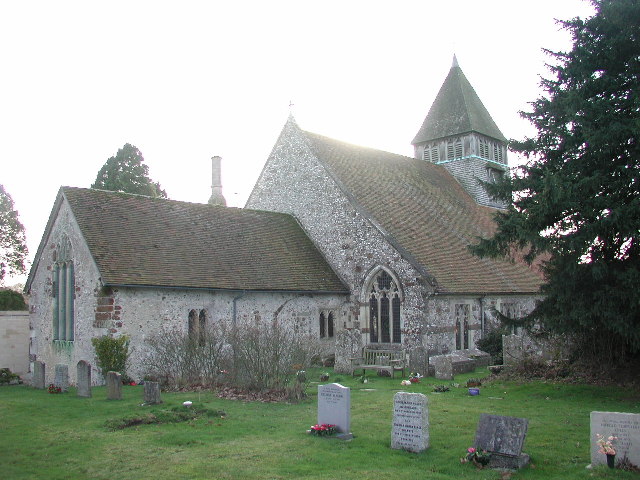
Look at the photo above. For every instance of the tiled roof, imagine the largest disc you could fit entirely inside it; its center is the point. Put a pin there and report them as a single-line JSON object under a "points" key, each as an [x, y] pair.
{"points": [[457, 109], [143, 241], [426, 213]]}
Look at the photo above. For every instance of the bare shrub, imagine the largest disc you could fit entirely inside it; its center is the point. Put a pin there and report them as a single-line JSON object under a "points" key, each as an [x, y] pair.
{"points": [[264, 354], [176, 358]]}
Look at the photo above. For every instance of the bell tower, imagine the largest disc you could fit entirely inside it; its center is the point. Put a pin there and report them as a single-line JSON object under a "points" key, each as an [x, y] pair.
{"points": [[460, 134]]}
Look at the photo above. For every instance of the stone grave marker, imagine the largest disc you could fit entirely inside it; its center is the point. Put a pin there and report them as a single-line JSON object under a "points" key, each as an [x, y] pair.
{"points": [[503, 437], [443, 367], [334, 407], [512, 349], [114, 386], [83, 379], [624, 426], [410, 427], [62, 377], [38, 374], [152, 392]]}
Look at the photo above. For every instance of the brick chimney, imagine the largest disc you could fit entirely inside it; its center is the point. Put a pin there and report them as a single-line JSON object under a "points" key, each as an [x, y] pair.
{"points": [[216, 183]]}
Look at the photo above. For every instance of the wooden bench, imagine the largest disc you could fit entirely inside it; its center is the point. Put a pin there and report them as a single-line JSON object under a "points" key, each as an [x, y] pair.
{"points": [[391, 361]]}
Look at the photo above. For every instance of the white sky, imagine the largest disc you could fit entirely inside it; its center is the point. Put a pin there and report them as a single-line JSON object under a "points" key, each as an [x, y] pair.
{"points": [[187, 80]]}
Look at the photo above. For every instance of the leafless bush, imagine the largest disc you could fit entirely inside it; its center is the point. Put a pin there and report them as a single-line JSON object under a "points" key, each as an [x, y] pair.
{"points": [[177, 358], [264, 354]]}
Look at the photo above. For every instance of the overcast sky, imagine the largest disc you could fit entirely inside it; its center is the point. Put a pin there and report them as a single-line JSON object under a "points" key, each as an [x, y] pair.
{"points": [[187, 80]]}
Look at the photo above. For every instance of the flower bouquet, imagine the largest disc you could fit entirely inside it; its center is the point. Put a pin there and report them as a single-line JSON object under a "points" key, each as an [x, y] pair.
{"points": [[323, 430], [480, 458]]}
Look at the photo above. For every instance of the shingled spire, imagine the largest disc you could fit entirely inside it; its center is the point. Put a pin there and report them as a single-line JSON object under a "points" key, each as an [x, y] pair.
{"points": [[459, 132]]}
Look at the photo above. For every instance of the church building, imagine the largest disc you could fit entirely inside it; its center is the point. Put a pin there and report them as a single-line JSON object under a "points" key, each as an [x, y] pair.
{"points": [[335, 239]]}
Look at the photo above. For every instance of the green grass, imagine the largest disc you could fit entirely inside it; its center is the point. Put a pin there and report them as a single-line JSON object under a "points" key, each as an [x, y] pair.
{"points": [[63, 436]]}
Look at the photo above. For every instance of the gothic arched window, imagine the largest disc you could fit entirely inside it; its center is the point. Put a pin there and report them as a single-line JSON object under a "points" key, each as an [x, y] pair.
{"points": [[63, 292], [384, 310]]}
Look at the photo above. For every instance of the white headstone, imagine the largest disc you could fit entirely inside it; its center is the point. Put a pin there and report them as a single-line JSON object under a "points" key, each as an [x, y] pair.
{"points": [[410, 428], [624, 426], [334, 406]]}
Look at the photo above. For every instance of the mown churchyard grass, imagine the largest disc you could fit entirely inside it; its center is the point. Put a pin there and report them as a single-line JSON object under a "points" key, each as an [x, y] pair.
{"points": [[64, 436]]}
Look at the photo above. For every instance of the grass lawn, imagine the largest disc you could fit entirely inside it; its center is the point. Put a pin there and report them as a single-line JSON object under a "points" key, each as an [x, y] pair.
{"points": [[64, 436]]}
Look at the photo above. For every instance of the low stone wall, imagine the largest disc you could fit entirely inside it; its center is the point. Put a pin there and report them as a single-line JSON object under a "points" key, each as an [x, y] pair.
{"points": [[14, 341]]}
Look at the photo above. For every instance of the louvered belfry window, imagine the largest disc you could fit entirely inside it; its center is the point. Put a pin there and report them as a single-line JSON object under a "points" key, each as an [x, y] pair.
{"points": [[384, 310]]}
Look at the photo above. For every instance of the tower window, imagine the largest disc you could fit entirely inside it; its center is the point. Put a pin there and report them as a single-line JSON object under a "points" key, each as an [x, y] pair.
{"points": [[454, 149], [431, 154]]}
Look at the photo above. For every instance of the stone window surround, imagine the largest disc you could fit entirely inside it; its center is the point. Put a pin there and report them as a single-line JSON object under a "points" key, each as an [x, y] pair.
{"points": [[63, 292], [327, 323], [395, 314]]}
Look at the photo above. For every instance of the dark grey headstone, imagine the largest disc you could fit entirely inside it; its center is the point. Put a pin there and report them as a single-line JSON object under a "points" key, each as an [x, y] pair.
{"points": [[61, 379], [114, 386], [504, 438], [410, 427], [152, 392], [38, 374], [443, 367], [83, 379]]}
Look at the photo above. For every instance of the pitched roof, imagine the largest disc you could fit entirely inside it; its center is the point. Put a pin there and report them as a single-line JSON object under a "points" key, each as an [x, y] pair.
{"points": [[143, 241], [426, 214], [457, 109]]}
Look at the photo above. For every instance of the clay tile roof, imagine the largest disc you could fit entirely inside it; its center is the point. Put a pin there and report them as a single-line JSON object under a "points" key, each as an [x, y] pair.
{"points": [[426, 213], [457, 109], [143, 241]]}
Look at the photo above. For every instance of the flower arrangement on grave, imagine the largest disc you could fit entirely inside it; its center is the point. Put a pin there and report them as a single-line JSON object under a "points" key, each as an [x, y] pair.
{"points": [[323, 430], [441, 388], [415, 377], [324, 376], [474, 382], [606, 445], [480, 458], [53, 389], [405, 383]]}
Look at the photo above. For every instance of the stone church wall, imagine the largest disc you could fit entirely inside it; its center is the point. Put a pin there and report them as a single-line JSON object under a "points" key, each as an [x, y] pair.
{"points": [[294, 181], [142, 312]]}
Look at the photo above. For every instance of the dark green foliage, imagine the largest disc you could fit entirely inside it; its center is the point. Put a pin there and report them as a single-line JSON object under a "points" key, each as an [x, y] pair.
{"points": [[491, 343], [126, 172], [10, 300], [111, 353], [576, 200], [13, 244], [6, 376]]}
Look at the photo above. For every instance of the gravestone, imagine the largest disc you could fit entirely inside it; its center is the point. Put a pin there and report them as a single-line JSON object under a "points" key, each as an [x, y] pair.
{"points": [[62, 377], [503, 437], [152, 392], [114, 386], [348, 346], [83, 379], [410, 427], [38, 374], [624, 426], [443, 367], [512, 349], [334, 408]]}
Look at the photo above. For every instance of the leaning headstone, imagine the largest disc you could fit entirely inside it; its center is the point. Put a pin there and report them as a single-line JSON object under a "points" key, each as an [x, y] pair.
{"points": [[503, 437], [410, 427], [61, 379], [83, 379], [512, 349], [443, 367], [38, 374], [624, 426], [114, 386], [152, 392], [334, 408]]}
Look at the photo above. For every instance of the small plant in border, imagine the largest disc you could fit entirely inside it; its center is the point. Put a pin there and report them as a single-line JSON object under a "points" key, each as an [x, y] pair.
{"points": [[480, 458], [441, 388], [323, 430], [53, 389], [606, 445]]}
